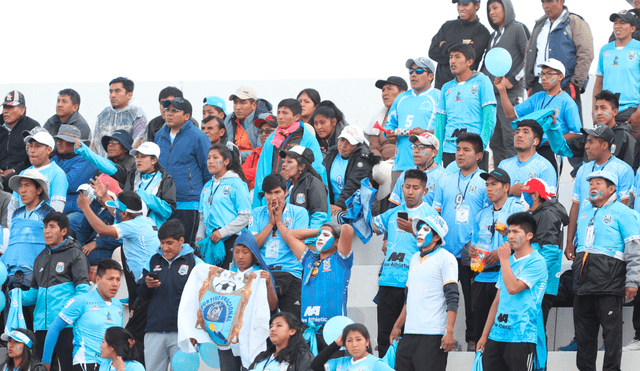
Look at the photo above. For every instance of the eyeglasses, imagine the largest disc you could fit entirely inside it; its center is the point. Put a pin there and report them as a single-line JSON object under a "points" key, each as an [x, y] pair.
{"points": [[173, 110], [549, 74], [266, 131], [420, 147], [419, 71], [113, 141]]}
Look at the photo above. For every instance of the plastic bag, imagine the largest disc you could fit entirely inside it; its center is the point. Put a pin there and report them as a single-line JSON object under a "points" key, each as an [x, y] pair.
{"points": [[390, 357], [477, 362]]}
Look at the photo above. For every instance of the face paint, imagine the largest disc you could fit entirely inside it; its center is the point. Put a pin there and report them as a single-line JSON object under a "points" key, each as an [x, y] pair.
{"points": [[325, 240], [18, 347], [424, 234], [607, 114], [553, 80], [218, 162], [595, 195], [424, 153], [118, 216], [519, 240], [528, 199]]}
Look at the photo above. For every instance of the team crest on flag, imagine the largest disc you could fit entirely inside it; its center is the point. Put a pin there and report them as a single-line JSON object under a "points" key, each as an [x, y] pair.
{"points": [[184, 268], [223, 298], [300, 198], [60, 267]]}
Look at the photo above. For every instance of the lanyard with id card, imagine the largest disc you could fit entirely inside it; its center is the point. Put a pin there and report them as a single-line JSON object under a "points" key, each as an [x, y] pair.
{"points": [[272, 247], [462, 210], [589, 232]]}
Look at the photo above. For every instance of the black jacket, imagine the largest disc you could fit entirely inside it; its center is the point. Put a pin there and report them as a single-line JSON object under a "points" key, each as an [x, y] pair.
{"points": [[303, 364], [53, 125], [13, 154], [551, 216], [361, 162], [455, 32], [310, 193], [332, 140], [153, 127], [625, 144]]}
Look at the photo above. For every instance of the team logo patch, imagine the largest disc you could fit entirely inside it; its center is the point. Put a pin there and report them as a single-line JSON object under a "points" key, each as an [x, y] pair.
{"points": [[583, 216], [615, 61], [458, 97], [326, 265], [532, 175], [157, 268], [473, 189], [448, 91], [60, 267], [109, 319], [68, 303], [474, 90], [94, 308], [606, 220], [631, 56], [300, 198], [359, 164], [250, 221], [119, 312], [226, 190], [184, 268], [432, 186], [287, 222], [606, 54]]}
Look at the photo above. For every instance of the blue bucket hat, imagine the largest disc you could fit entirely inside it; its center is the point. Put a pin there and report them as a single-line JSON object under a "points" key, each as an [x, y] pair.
{"points": [[121, 136]]}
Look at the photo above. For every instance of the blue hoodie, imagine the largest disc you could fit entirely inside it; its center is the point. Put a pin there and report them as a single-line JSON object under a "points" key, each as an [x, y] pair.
{"points": [[164, 300], [247, 239]]}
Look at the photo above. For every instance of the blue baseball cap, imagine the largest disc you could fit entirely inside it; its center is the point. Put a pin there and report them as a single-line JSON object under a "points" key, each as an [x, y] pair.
{"points": [[605, 175], [216, 102]]}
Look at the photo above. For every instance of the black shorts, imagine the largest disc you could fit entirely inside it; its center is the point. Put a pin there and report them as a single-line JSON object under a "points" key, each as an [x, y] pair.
{"points": [[498, 356], [415, 352]]}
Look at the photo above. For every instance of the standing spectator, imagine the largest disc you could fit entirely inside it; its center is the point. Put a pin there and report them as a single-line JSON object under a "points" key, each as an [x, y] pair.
{"points": [[13, 154], [268, 224], [553, 97], [458, 205], [619, 70], [563, 36], [598, 148], [158, 122], [328, 122], [425, 149], [183, 154], [121, 114], [528, 163], [240, 128], [309, 100], [61, 271], [512, 36], [467, 105], [214, 106], [413, 112], [378, 142], [77, 169], [401, 245], [266, 124], [347, 164], [119, 351], [636, 12], [466, 29], [67, 113], [214, 128], [509, 338], [162, 282], [606, 271], [90, 315], [429, 314], [117, 146]]}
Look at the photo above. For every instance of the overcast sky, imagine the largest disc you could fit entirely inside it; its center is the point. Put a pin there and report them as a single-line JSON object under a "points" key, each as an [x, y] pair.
{"points": [[91, 41]]}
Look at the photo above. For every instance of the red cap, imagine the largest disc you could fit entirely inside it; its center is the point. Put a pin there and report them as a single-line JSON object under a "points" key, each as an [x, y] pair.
{"points": [[539, 186]]}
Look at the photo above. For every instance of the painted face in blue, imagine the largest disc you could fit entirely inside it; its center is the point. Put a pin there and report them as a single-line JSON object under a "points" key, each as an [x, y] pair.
{"points": [[324, 241], [424, 235], [527, 198]]}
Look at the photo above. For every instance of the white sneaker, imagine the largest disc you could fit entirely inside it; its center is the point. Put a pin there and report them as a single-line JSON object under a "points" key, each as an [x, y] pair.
{"points": [[633, 345]]}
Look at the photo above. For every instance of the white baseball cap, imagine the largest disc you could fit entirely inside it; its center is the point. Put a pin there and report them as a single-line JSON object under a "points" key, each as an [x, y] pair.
{"points": [[41, 137], [553, 63], [353, 134], [147, 149], [426, 138]]}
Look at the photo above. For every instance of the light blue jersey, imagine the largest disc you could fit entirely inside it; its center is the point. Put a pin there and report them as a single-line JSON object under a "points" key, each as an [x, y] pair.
{"points": [[517, 316], [128, 366], [433, 177], [58, 183], [324, 288], [269, 364], [368, 363], [567, 114], [462, 104], [90, 317], [410, 110], [400, 245], [275, 251], [222, 200], [459, 199], [338, 176], [485, 235], [139, 241], [535, 167], [636, 191], [620, 71], [614, 165]]}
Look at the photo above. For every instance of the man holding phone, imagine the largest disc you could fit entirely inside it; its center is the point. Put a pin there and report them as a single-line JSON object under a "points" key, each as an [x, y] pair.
{"points": [[401, 246]]}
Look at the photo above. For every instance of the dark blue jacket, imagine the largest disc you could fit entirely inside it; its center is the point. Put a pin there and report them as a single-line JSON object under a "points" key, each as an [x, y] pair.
{"points": [[78, 171]]}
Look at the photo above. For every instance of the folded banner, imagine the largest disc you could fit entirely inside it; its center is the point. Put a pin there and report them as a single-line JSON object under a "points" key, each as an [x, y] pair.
{"points": [[226, 308], [15, 318], [359, 211]]}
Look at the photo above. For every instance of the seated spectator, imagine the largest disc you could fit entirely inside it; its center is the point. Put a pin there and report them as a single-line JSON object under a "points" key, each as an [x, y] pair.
{"points": [[5, 198], [20, 353], [240, 128], [67, 113], [214, 106], [119, 351], [267, 124], [288, 349], [78, 170], [214, 128], [117, 146], [158, 122], [224, 211], [378, 142], [347, 164], [328, 122], [290, 133], [162, 286], [305, 185], [309, 100], [154, 185], [14, 120]]}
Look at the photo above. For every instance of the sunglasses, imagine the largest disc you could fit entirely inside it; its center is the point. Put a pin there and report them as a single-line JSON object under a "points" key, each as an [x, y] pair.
{"points": [[266, 131], [172, 109], [418, 71]]}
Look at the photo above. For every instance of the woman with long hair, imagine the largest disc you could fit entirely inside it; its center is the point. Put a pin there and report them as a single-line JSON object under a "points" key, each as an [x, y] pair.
{"points": [[119, 351], [225, 206], [328, 122], [289, 347], [20, 351], [309, 99]]}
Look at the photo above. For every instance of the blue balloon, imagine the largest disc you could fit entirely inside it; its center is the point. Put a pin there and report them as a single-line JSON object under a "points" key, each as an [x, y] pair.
{"points": [[3, 302], [185, 361], [3, 273], [209, 354], [333, 328], [498, 62]]}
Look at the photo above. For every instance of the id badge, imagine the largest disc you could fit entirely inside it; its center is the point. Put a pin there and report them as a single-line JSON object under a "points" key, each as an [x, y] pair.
{"points": [[590, 235], [273, 246], [462, 214]]}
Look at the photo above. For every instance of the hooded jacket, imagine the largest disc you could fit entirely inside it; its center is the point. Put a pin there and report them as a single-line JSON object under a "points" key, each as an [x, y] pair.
{"points": [[513, 37], [130, 118], [455, 32], [311, 193], [58, 275], [360, 164], [230, 124], [53, 125], [570, 42], [164, 300], [551, 216], [625, 148], [78, 171], [13, 153]]}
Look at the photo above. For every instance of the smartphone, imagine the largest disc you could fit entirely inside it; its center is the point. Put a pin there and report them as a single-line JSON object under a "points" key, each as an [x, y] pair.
{"points": [[153, 275], [403, 215]]}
